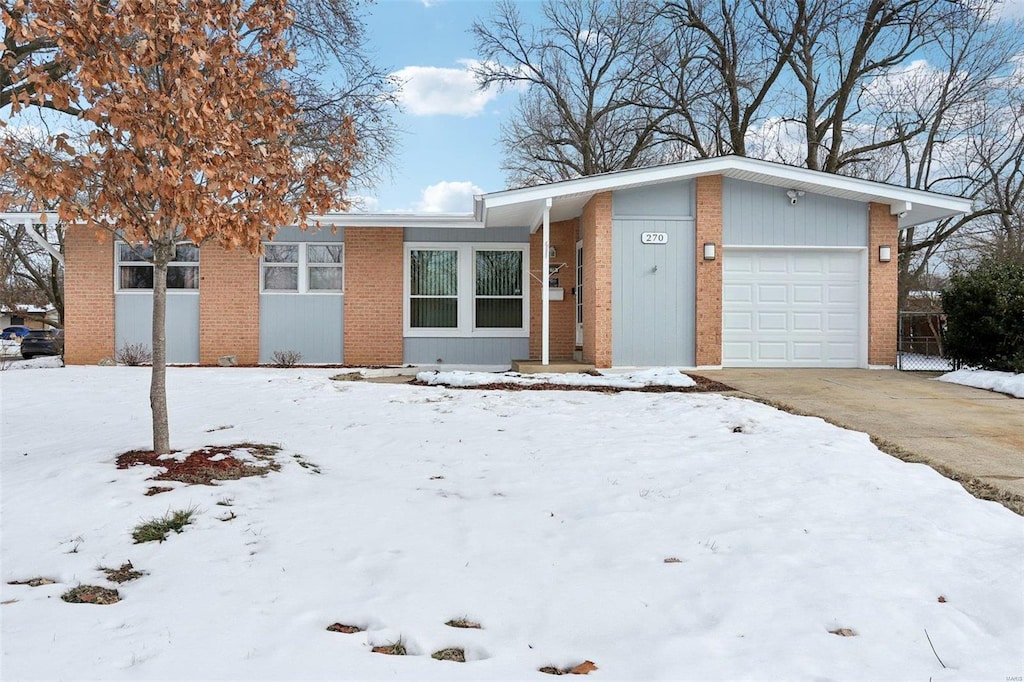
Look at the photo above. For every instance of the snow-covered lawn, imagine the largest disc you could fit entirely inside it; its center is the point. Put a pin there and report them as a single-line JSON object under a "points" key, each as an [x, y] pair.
{"points": [[658, 376], [546, 517], [1004, 382]]}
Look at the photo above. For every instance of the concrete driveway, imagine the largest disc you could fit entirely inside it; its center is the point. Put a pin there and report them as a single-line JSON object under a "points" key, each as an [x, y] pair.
{"points": [[963, 432]]}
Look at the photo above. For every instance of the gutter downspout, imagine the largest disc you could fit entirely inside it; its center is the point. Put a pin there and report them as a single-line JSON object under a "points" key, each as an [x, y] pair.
{"points": [[545, 294]]}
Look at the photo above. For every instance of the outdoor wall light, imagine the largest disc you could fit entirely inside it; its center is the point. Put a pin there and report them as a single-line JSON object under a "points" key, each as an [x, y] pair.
{"points": [[552, 253], [884, 254], [709, 251]]}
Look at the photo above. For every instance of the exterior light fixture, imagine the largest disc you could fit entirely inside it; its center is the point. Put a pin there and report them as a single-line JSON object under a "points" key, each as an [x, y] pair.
{"points": [[709, 251], [884, 253], [552, 253], [794, 195]]}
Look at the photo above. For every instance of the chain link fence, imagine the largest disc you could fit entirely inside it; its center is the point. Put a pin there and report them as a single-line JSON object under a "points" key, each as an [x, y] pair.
{"points": [[920, 342]]}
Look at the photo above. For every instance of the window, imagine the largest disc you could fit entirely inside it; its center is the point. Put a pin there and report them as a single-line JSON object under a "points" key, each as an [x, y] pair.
{"points": [[466, 290], [135, 272], [303, 268], [499, 289], [433, 289]]}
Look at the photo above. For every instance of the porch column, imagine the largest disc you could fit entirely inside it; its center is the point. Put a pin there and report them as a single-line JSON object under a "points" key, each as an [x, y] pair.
{"points": [[545, 293]]}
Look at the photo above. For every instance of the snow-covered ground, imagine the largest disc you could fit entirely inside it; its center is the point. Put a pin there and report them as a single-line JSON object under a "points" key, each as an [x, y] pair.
{"points": [[1004, 382], [918, 361], [545, 516]]}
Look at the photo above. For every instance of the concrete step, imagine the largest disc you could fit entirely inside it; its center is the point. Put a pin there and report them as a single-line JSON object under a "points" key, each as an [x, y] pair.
{"points": [[557, 366]]}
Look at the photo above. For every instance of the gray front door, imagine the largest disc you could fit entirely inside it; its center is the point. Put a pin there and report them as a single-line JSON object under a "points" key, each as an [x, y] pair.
{"points": [[653, 311]]}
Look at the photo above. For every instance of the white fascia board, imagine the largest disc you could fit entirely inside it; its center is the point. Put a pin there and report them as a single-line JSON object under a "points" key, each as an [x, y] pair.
{"points": [[446, 220], [722, 166]]}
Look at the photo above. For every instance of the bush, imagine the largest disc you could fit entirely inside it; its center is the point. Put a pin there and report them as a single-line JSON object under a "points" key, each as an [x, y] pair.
{"points": [[286, 358], [133, 355], [985, 316]]}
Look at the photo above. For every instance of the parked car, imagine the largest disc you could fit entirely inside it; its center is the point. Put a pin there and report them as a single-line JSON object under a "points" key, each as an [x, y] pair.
{"points": [[14, 332], [42, 342]]}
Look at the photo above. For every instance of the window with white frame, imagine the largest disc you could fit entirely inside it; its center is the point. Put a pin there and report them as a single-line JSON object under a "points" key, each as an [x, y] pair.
{"points": [[466, 289], [303, 268], [135, 269]]}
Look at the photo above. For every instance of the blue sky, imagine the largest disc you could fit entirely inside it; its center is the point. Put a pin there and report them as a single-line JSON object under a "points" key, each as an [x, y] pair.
{"points": [[449, 131]]}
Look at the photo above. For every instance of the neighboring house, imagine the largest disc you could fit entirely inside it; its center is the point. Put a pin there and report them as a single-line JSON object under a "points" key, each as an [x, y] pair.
{"points": [[718, 262], [33, 317]]}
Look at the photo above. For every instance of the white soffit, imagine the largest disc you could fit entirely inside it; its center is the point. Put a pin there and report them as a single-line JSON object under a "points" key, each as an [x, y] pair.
{"points": [[517, 207]]}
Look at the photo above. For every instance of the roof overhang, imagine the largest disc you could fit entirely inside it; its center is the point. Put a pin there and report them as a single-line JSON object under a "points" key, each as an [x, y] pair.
{"points": [[519, 207]]}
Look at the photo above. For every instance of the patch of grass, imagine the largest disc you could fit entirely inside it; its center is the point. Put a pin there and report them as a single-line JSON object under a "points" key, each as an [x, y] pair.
{"points": [[230, 516], [457, 655], [156, 530], [123, 574], [396, 648], [91, 594], [225, 501], [33, 582], [464, 622], [157, 489], [306, 464], [345, 629], [207, 465]]}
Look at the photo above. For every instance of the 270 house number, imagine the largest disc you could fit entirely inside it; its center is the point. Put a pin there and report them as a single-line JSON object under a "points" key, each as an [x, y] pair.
{"points": [[654, 237]]}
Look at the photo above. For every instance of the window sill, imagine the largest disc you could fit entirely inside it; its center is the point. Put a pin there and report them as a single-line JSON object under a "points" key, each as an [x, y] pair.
{"points": [[463, 334]]}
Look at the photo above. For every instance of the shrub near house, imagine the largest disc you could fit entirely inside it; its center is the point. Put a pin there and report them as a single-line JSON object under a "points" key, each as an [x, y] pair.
{"points": [[985, 308]]}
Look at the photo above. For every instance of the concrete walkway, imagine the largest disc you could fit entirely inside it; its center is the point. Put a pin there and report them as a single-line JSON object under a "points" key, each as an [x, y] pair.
{"points": [[967, 431]]}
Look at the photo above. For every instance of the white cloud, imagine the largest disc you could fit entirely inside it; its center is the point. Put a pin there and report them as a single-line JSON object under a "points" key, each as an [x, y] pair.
{"points": [[448, 197], [1011, 9], [433, 90]]}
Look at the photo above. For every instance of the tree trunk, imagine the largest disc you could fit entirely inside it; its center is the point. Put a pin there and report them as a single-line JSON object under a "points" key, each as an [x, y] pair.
{"points": [[158, 382]]}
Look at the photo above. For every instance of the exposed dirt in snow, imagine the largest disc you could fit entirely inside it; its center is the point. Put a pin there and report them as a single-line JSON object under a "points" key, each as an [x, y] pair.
{"points": [[206, 465], [703, 385]]}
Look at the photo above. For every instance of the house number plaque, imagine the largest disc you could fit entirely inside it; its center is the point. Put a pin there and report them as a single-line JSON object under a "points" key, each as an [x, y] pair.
{"points": [[654, 237]]}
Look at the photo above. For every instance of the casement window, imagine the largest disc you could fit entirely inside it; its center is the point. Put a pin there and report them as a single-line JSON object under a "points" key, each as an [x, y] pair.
{"points": [[303, 268], [466, 290], [135, 272]]}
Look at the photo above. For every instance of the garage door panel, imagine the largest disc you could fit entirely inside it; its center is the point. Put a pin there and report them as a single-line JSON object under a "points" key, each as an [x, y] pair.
{"points": [[796, 308], [772, 322], [808, 322], [807, 293], [737, 321], [772, 293], [738, 293]]}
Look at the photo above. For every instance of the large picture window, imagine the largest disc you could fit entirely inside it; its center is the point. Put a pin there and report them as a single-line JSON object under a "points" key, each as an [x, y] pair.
{"points": [[466, 290], [302, 268], [135, 271]]}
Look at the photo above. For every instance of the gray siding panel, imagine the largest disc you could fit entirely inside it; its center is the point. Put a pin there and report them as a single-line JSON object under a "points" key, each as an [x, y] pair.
{"points": [[312, 324], [653, 310], [667, 200], [510, 235], [294, 234], [465, 351], [133, 323], [761, 215]]}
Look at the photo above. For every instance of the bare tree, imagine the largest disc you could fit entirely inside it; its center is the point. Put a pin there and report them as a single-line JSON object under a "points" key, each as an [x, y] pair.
{"points": [[582, 110]]}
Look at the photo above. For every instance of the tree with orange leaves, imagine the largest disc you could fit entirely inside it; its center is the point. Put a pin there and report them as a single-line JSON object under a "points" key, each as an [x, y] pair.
{"points": [[189, 138]]}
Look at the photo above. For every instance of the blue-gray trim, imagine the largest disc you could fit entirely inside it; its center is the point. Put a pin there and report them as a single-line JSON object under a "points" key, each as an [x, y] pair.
{"points": [[294, 234], [510, 235], [465, 350], [653, 301], [312, 324], [761, 215], [666, 200], [133, 323]]}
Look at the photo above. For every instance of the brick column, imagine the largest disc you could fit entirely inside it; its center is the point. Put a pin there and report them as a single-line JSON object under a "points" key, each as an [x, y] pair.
{"points": [[229, 305], [709, 273], [883, 280], [596, 227], [563, 313], [88, 295], [373, 295]]}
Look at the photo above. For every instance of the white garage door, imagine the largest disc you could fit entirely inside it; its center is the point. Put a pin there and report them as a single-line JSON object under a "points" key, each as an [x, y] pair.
{"points": [[792, 308]]}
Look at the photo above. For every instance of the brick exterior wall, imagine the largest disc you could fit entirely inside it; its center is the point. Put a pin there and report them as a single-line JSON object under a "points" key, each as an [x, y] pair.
{"points": [[88, 296], [229, 305], [596, 228], [562, 330], [373, 295], [883, 279], [709, 273]]}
